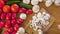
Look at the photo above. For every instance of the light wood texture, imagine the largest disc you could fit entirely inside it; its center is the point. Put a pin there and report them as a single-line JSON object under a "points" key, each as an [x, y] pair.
{"points": [[45, 28], [54, 11], [51, 20]]}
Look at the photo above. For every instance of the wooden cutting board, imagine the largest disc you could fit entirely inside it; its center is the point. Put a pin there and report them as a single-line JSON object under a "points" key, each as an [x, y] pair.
{"points": [[29, 30], [51, 20]]}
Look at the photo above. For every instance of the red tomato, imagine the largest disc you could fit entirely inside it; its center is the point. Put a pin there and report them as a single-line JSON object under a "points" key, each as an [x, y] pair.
{"points": [[14, 15], [5, 0], [13, 32], [6, 32], [19, 21], [2, 24], [11, 29], [3, 15], [6, 9], [13, 22], [29, 12], [2, 3], [8, 24], [8, 16], [16, 27], [22, 10], [0, 11], [14, 8]]}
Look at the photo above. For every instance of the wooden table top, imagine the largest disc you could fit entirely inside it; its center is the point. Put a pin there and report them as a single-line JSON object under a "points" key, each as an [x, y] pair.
{"points": [[54, 11]]}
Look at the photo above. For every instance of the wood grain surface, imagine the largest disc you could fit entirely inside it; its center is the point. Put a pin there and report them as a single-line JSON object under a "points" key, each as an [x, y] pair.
{"points": [[54, 11]]}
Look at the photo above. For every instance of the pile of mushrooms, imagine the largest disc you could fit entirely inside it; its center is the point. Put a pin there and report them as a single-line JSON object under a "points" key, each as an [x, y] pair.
{"points": [[39, 20], [48, 3]]}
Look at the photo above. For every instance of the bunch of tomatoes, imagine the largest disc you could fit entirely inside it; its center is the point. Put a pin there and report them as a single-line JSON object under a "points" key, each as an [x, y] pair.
{"points": [[8, 16]]}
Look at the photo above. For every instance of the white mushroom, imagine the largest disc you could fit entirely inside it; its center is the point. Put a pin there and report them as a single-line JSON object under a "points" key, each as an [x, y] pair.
{"points": [[23, 16], [46, 18], [40, 31], [43, 13], [21, 30], [40, 0], [57, 2], [39, 20], [26, 1], [43, 23], [48, 3], [48, 15], [34, 2], [36, 8], [53, 0], [39, 15], [34, 17], [47, 23], [17, 33], [59, 26]]}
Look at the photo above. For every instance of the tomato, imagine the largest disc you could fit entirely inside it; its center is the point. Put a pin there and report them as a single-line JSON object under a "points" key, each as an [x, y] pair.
{"points": [[2, 3], [6, 9], [14, 8]]}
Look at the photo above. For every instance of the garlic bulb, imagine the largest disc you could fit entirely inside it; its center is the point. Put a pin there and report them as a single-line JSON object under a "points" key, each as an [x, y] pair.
{"points": [[23, 16], [57, 2], [26, 1], [36, 8], [34, 2]]}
